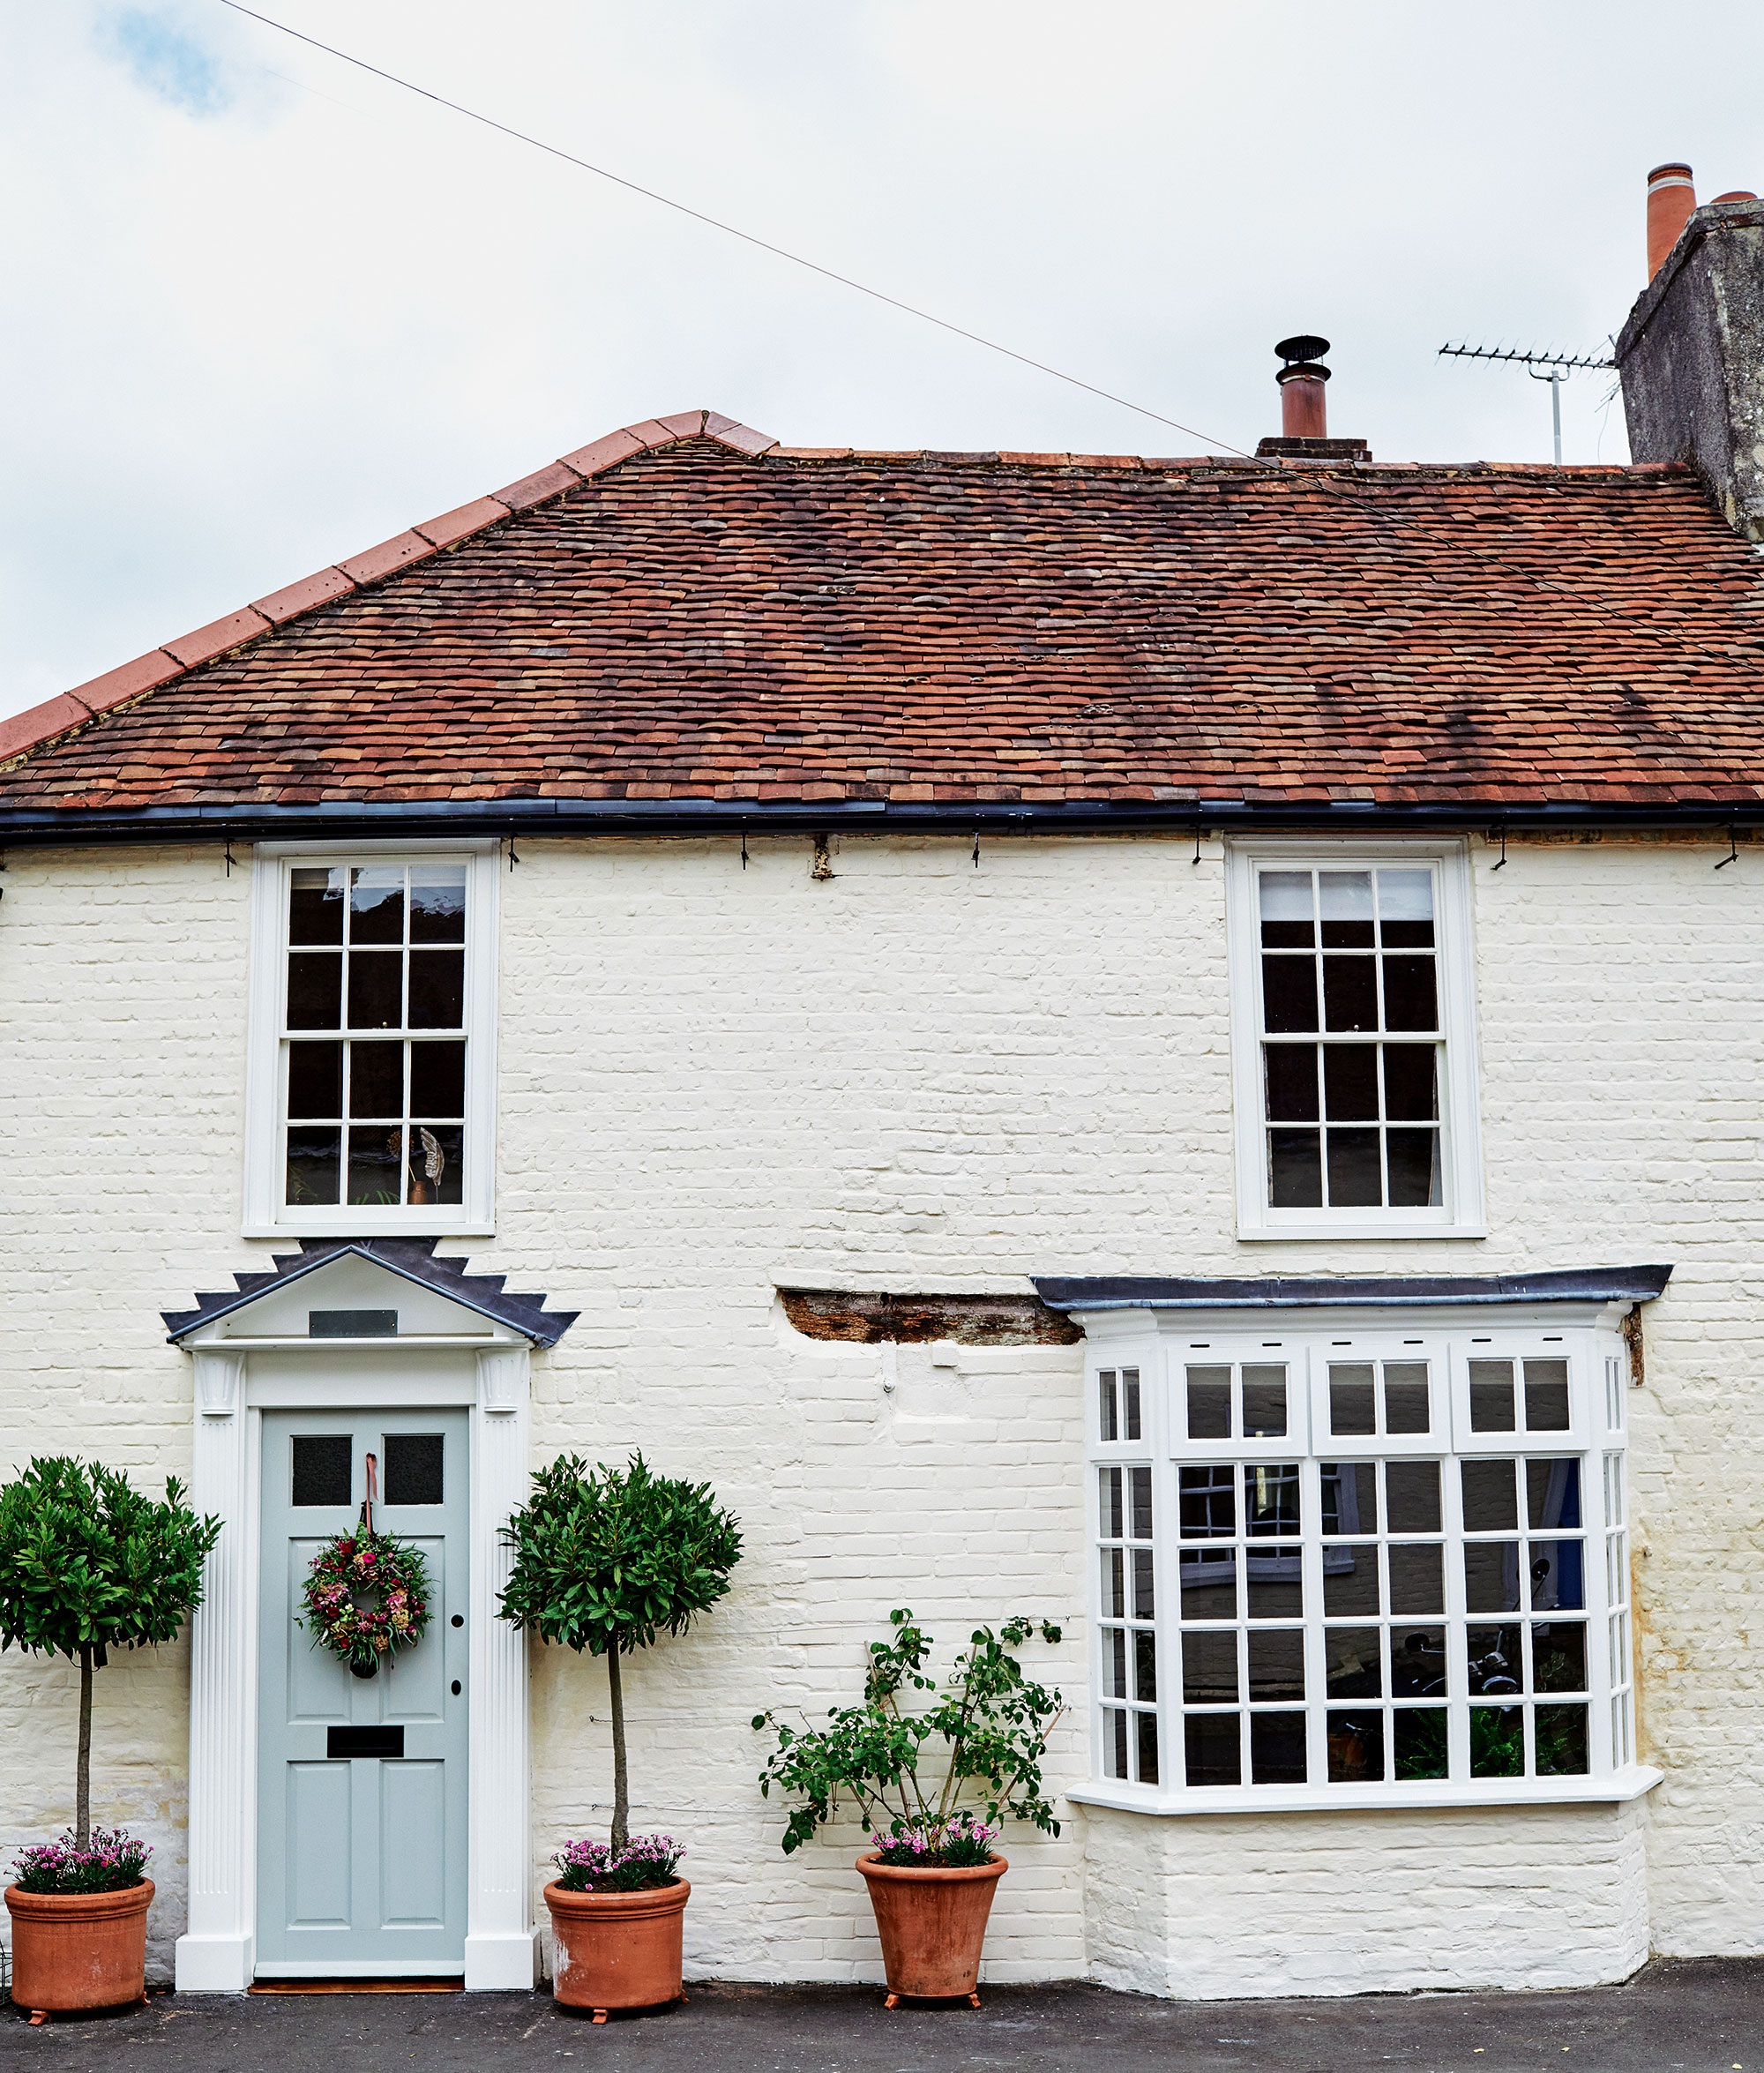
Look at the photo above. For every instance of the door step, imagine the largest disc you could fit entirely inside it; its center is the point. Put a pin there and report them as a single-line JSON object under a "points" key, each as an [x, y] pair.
{"points": [[358, 1987]]}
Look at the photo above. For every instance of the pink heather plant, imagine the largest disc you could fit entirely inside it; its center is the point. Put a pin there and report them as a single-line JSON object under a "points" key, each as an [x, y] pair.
{"points": [[964, 1839], [645, 1861], [112, 1861]]}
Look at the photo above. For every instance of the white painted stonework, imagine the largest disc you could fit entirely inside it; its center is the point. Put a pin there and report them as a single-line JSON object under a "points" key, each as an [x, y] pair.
{"points": [[916, 1076]]}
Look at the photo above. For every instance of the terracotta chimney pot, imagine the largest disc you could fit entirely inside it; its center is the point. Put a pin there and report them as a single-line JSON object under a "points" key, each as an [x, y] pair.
{"points": [[1738, 194], [1304, 414], [1671, 199]]}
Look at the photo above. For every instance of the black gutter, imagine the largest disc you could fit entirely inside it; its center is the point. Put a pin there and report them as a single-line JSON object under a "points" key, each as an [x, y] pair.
{"points": [[1141, 1291], [699, 816]]}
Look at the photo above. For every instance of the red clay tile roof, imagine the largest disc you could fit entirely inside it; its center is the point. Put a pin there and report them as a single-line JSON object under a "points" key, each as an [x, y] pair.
{"points": [[685, 611]]}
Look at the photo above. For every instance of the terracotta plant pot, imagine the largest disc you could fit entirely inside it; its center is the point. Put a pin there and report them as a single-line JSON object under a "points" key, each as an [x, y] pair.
{"points": [[616, 1951], [79, 1951], [932, 1923]]}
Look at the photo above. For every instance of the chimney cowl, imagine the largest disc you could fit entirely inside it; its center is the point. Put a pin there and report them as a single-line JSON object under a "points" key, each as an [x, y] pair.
{"points": [[1304, 410]]}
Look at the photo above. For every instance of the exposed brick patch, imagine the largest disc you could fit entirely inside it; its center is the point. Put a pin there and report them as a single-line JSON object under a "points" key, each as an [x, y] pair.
{"points": [[969, 1321]]}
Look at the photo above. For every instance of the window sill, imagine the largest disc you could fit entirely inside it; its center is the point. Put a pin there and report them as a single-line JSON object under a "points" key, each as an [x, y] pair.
{"points": [[1272, 1233], [1619, 1787], [444, 1223]]}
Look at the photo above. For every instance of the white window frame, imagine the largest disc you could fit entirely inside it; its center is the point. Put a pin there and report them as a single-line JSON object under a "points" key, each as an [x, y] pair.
{"points": [[1161, 1345], [266, 1214], [1460, 1213]]}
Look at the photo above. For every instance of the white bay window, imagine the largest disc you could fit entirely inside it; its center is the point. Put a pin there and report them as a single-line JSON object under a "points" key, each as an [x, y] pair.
{"points": [[1363, 1558]]}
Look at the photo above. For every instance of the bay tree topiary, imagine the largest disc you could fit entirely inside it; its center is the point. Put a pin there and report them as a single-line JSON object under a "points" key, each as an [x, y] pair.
{"points": [[607, 1559], [88, 1564]]}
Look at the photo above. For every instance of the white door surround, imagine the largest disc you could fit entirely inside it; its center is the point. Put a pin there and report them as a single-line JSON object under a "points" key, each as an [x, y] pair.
{"points": [[252, 1359]]}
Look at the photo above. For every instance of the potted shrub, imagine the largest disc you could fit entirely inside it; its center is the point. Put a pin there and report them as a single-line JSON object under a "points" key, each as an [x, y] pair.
{"points": [[87, 1565], [605, 1559], [931, 1870]]}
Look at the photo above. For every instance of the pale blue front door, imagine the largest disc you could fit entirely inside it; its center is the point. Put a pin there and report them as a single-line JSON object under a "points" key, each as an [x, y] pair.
{"points": [[361, 1781]]}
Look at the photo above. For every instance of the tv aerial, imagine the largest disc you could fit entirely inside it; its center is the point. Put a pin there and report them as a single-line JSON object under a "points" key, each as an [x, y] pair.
{"points": [[1557, 366]]}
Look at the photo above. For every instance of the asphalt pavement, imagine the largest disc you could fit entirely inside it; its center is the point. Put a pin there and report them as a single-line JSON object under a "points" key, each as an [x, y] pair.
{"points": [[1691, 2015]]}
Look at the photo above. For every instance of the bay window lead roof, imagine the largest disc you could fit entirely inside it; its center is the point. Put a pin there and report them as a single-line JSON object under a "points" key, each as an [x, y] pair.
{"points": [[1133, 1291], [414, 1259], [685, 622]]}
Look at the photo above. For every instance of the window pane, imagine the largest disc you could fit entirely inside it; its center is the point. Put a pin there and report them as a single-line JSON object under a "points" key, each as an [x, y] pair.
{"points": [[1345, 900], [1552, 1494], [1206, 1502], [322, 1465], [1291, 1070], [1107, 1422], [1546, 1395], [1415, 1177], [377, 1079], [1412, 1493], [1355, 1179], [1558, 1656], [1277, 1749], [1495, 1668], [1209, 1584], [1115, 1662], [1350, 1082], [1130, 1394], [1349, 1497], [1351, 1658], [1497, 1741], [1264, 1401], [1491, 1505], [1209, 1669], [315, 907], [1417, 1662], [1492, 1576], [438, 1079], [1108, 1509], [1491, 1407], [1419, 1741], [315, 983], [1276, 1586], [414, 1463], [1561, 1741], [1277, 1664], [1288, 994], [1410, 1092], [1351, 995], [376, 981], [437, 989], [1114, 1584], [1405, 1396], [1144, 1603], [1141, 1482], [1295, 1170], [1406, 907], [1145, 1667], [1285, 900], [315, 1080], [1410, 1001], [438, 904], [1149, 1747], [1351, 1404], [1350, 1583], [1209, 1402], [376, 1167], [1357, 1748], [1213, 1753], [437, 1162], [1416, 1578], [1557, 1580], [314, 1163], [1115, 1733], [1271, 1499], [377, 904]]}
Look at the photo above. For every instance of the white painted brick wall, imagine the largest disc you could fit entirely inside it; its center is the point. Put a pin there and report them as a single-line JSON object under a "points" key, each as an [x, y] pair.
{"points": [[923, 1076]]}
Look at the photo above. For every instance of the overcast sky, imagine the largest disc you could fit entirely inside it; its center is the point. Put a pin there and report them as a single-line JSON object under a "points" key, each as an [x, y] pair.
{"points": [[264, 311]]}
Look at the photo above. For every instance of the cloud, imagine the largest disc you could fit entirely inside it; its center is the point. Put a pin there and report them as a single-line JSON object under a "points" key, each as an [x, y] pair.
{"points": [[167, 63]]}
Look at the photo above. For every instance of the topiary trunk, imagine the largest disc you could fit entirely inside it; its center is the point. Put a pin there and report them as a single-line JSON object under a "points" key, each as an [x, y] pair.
{"points": [[621, 1802]]}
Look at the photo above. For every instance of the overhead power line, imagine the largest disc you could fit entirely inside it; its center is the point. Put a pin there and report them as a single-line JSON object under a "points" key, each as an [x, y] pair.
{"points": [[731, 229]]}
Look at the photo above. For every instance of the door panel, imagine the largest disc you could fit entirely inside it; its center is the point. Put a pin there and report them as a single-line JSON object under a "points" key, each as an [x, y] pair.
{"points": [[362, 1860]]}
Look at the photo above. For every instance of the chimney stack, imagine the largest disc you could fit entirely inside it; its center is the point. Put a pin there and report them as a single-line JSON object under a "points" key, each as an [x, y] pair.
{"points": [[1692, 355], [1304, 414], [1671, 199]]}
